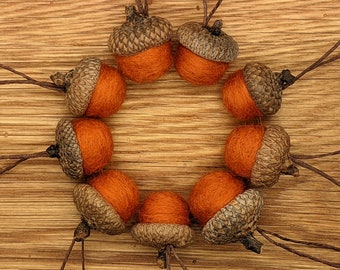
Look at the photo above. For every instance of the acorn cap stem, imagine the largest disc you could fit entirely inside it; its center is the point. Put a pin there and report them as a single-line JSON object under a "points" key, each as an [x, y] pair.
{"points": [[80, 234], [143, 9], [51, 151], [266, 233], [251, 243], [320, 62], [29, 80]]}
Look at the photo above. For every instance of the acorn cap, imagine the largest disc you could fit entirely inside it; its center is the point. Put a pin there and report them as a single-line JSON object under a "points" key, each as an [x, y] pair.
{"points": [[98, 213], [236, 220], [264, 87], [201, 41], [272, 158], [160, 235], [79, 83], [69, 154], [138, 33]]}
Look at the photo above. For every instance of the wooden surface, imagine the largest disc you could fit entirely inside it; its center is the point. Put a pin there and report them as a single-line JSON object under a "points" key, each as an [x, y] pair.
{"points": [[168, 133]]}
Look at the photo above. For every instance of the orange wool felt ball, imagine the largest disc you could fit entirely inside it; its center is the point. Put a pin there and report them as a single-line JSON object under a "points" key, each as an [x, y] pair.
{"points": [[164, 207], [214, 191], [237, 99], [119, 191], [109, 93], [241, 148], [95, 143], [196, 69]]}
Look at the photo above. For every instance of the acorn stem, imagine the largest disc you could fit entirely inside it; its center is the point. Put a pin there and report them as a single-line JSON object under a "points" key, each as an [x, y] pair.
{"points": [[143, 9], [320, 62], [29, 80], [315, 170], [266, 233], [80, 234], [51, 151], [251, 243], [206, 17]]}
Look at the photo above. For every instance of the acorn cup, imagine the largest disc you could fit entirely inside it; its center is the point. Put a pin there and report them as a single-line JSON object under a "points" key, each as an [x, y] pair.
{"points": [[164, 225], [106, 204], [229, 213], [256, 91], [83, 146], [91, 89], [142, 45], [261, 154], [204, 51]]}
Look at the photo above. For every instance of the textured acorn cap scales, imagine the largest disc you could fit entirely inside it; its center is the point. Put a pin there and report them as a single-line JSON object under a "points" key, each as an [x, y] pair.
{"points": [[98, 214], [160, 235], [139, 33], [264, 86], [80, 84], [69, 153], [236, 220], [273, 158], [205, 43]]}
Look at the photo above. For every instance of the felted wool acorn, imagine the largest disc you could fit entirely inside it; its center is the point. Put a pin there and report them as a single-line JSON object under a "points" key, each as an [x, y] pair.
{"points": [[92, 88], [83, 147], [229, 213], [226, 210], [261, 154], [164, 224], [142, 45], [106, 203], [204, 51], [256, 90]]}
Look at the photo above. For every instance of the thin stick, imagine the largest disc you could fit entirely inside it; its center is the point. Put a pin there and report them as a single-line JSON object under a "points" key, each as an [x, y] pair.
{"points": [[212, 12], [181, 263], [168, 257], [316, 170], [29, 80], [83, 254], [206, 17], [294, 251], [316, 156], [68, 254]]}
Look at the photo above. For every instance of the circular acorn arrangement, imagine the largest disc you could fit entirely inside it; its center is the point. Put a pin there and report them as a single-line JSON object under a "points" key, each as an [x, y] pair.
{"points": [[226, 204]]}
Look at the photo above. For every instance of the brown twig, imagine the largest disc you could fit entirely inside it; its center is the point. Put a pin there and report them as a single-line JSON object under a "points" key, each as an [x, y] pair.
{"points": [[30, 80], [265, 234], [320, 62], [206, 17], [315, 170]]}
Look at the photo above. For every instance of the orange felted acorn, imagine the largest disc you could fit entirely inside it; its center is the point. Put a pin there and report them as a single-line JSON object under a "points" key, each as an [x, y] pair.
{"points": [[256, 90], [229, 213], [261, 154], [141, 45], [164, 224], [92, 88], [106, 204], [204, 51], [226, 210], [83, 147]]}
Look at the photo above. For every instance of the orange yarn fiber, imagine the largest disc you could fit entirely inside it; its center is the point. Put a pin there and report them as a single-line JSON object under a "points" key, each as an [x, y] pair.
{"points": [[119, 191], [237, 99], [109, 93], [196, 69], [214, 191], [148, 65], [164, 207], [95, 143], [241, 148]]}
